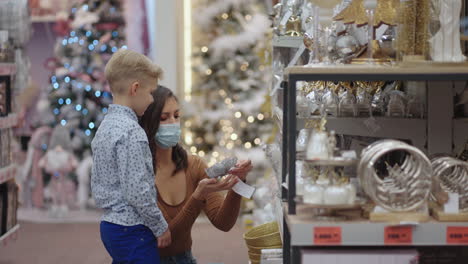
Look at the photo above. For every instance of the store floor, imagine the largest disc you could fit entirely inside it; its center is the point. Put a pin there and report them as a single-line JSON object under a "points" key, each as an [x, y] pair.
{"points": [[80, 244]]}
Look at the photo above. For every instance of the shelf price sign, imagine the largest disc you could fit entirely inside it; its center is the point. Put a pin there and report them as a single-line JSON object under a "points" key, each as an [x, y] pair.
{"points": [[398, 235], [457, 235], [326, 235]]}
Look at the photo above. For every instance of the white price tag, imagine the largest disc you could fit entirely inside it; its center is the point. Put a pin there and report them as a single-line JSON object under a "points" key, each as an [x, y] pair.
{"points": [[286, 18], [451, 207], [243, 189]]}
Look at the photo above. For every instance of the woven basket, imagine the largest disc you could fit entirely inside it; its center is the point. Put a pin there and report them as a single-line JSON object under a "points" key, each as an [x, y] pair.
{"points": [[266, 235], [254, 258]]}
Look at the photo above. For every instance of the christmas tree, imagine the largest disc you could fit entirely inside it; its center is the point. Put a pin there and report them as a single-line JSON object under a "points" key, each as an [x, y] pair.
{"points": [[229, 94], [79, 96]]}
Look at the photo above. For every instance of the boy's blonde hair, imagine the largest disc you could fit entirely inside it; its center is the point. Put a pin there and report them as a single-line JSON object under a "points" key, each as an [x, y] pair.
{"points": [[126, 67]]}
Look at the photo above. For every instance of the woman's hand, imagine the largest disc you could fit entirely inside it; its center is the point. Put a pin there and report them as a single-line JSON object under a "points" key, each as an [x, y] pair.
{"points": [[207, 186], [242, 168]]}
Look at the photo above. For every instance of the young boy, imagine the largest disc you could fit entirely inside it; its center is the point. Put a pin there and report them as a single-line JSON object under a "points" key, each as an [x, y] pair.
{"points": [[122, 179]]}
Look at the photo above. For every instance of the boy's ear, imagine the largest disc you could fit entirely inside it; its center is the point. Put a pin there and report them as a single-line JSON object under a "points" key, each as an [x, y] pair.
{"points": [[133, 89]]}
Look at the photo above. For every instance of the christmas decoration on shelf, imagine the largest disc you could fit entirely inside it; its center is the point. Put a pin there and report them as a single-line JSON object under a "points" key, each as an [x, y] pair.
{"points": [[14, 18], [355, 12], [376, 14], [446, 42], [30, 175], [79, 96], [59, 162], [230, 112]]}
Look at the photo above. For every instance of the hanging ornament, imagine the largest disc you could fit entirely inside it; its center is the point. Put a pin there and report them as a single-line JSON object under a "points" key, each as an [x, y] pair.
{"points": [[51, 64], [62, 25], [84, 18]]}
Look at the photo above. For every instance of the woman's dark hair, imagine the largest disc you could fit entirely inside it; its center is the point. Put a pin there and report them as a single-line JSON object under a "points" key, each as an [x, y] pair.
{"points": [[150, 123]]}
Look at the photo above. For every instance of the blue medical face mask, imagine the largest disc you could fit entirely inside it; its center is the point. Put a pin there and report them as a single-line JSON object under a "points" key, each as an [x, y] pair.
{"points": [[168, 135]]}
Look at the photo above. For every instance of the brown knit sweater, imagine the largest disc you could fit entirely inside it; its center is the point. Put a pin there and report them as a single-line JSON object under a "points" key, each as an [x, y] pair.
{"points": [[222, 212]]}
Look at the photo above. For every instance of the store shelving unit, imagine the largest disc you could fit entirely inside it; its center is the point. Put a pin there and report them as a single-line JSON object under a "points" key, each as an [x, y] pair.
{"points": [[9, 121], [7, 69], [388, 127], [7, 173], [7, 72], [9, 236], [361, 232], [437, 133]]}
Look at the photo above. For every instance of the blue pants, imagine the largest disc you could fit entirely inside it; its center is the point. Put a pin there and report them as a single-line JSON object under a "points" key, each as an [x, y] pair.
{"points": [[184, 258], [130, 244]]}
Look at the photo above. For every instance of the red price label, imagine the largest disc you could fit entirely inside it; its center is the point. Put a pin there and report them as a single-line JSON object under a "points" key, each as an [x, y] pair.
{"points": [[457, 235], [398, 235], [325, 235]]}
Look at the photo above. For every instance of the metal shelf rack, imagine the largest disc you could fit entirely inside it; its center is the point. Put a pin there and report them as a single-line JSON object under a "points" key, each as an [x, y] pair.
{"points": [[438, 133]]}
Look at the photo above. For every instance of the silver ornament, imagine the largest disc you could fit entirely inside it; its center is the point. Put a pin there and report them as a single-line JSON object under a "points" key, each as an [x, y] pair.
{"points": [[386, 44], [346, 45]]}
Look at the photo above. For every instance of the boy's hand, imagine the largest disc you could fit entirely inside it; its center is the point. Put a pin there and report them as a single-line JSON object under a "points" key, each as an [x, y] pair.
{"points": [[165, 239]]}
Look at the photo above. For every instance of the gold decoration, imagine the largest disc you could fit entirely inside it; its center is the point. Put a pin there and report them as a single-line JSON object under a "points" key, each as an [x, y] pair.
{"points": [[370, 87], [386, 12], [317, 124], [272, 137], [398, 85], [362, 86], [355, 13], [378, 52], [266, 106], [346, 85], [308, 41], [421, 47], [334, 87], [377, 87], [379, 61], [314, 86], [413, 37], [319, 85], [406, 36], [294, 26]]}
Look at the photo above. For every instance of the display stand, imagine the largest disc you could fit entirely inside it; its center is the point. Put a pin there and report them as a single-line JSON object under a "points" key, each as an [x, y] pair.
{"points": [[439, 132], [9, 227]]}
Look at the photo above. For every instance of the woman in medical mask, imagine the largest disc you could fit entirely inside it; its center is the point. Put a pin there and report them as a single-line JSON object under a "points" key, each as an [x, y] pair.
{"points": [[183, 188]]}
